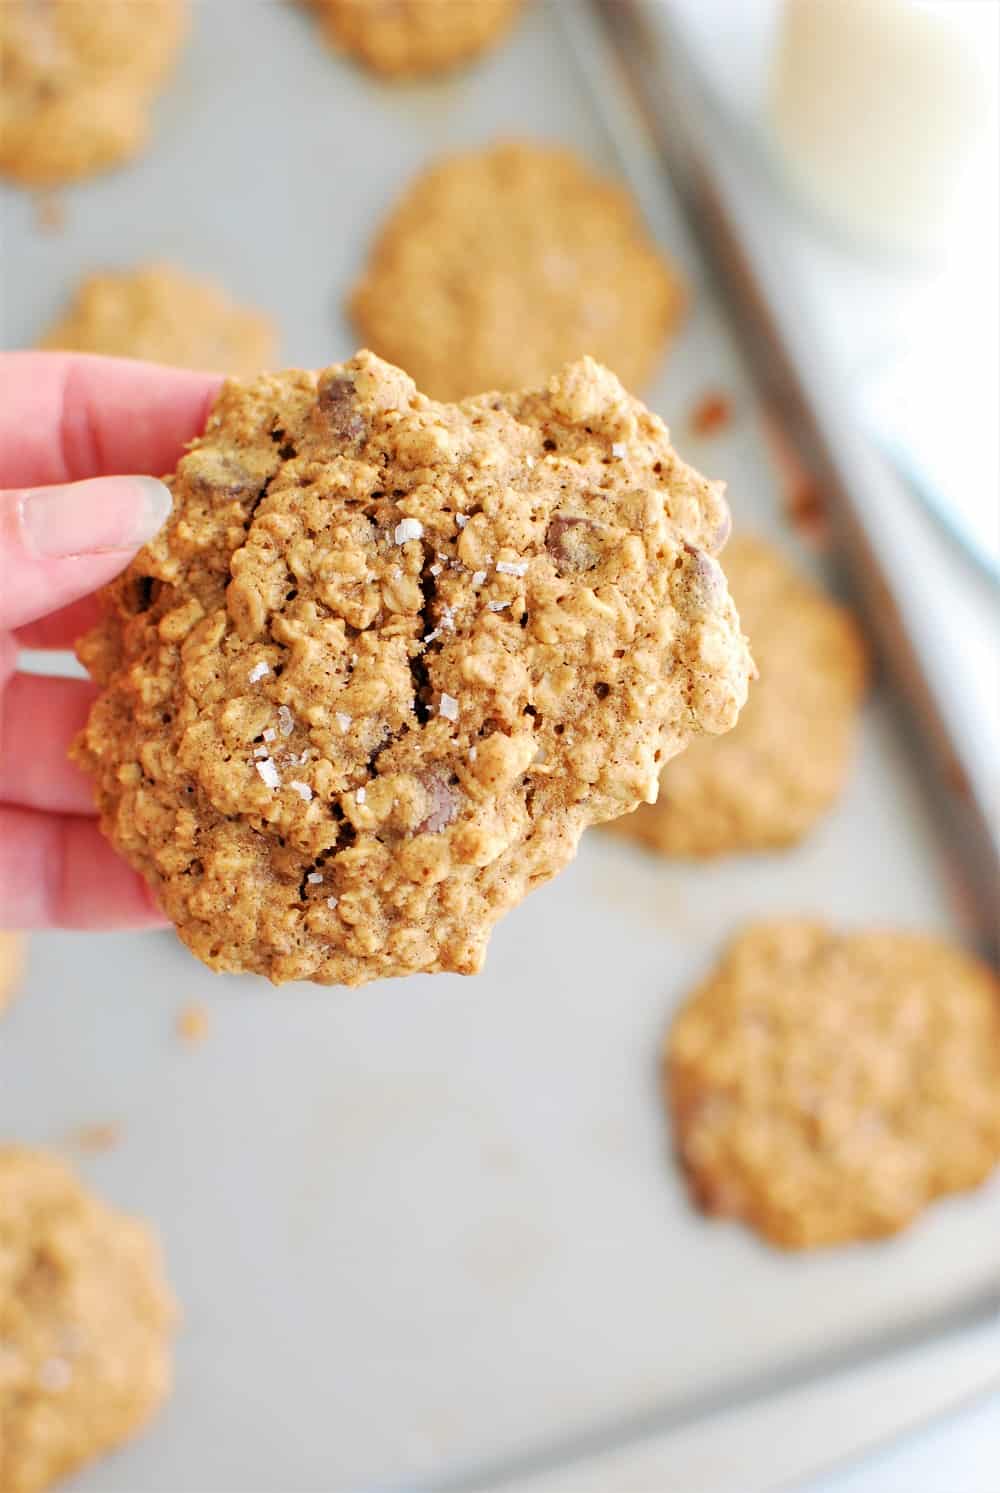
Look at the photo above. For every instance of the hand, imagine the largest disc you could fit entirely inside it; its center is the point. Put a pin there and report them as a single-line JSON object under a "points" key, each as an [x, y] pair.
{"points": [[68, 524]]}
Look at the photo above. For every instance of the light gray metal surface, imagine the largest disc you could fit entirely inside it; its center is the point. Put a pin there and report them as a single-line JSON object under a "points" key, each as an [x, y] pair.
{"points": [[434, 1224]]}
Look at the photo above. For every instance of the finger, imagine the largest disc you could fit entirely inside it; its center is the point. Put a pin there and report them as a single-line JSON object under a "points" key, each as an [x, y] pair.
{"points": [[67, 416], [58, 871], [40, 718], [62, 628], [59, 543]]}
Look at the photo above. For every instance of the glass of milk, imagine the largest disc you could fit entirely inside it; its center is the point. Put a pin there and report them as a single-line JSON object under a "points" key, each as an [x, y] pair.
{"points": [[884, 114]]}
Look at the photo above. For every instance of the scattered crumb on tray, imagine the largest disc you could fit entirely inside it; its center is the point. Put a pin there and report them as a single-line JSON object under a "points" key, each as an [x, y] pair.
{"points": [[711, 415], [192, 1023], [95, 1139], [802, 497], [50, 212]]}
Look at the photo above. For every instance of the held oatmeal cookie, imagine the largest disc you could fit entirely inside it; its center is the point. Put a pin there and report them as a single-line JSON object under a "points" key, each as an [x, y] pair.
{"points": [[164, 315], [78, 80], [389, 658], [86, 1320], [409, 38], [501, 264], [767, 783], [827, 1087]]}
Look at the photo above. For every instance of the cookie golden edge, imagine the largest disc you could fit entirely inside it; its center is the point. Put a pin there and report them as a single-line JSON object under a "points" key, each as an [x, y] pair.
{"points": [[400, 46]]}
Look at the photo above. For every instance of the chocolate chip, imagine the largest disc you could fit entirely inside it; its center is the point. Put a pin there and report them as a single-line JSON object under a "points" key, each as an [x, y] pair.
{"points": [[574, 543], [444, 802], [336, 402]]}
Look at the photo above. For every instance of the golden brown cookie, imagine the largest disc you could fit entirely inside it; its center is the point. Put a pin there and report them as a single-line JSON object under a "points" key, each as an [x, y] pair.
{"points": [[408, 38], [164, 315], [766, 783], [501, 264], [11, 965], [79, 77], [86, 1320], [389, 658], [826, 1087]]}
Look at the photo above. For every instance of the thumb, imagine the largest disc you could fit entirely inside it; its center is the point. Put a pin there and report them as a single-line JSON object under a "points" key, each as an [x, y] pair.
{"points": [[60, 543]]}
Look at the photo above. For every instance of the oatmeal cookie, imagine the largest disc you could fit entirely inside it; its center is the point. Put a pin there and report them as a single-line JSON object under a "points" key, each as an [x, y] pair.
{"points": [[164, 315], [79, 77], [767, 783], [409, 38], [389, 658], [501, 264], [85, 1323], [11, 964], [826, 1087]]}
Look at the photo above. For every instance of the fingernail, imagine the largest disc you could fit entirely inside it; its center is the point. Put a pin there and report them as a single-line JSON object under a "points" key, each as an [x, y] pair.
{"points": [[96, 517]]}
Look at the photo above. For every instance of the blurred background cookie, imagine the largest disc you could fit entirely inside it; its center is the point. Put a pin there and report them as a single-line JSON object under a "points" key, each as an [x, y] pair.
{"points": [[86, 1320], [767, 782], [164, 315], [826, 1087], [405, 38], [500, 265], [11, 964], [79, 77]]}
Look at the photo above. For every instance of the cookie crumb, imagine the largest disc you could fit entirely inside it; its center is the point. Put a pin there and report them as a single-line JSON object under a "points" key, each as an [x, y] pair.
{"points": [[94, 1140], [711, 415], [192, 1024]]}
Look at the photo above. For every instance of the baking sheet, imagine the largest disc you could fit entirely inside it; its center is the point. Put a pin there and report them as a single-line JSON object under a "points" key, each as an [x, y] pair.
{"points": [[433, 1225]]}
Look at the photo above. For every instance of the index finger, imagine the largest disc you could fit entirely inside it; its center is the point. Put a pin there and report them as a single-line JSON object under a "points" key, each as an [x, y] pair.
{"points": [[67, 416]]}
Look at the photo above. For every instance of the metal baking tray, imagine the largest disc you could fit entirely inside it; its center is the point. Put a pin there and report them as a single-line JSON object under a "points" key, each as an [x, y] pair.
{"points": [[430, 1234]]}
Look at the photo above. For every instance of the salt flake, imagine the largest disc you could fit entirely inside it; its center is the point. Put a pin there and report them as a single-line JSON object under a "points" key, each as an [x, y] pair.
{"points": [[498, 606], [408, 528], [332, 901], [269, 733], [449, 707], [430, 636], [478, 576], [618, 449], [314, 878], [435, 569], [510, 567], [258, 671], [344, 721], [461, 519], [302, 789], [269, 773], [448, 619], [361, 795]]}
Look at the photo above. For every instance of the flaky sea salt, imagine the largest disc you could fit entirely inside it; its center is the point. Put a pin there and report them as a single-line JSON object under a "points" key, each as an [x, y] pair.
{"points": [[498, 606], [344, 721], [448, 619], [258, 671], [529, 462], [618, 449], [269, 733], [361, 795], [473, 753], [314, 878], [408, 528], [435, 569], [261, 751], [430, 636], [449, 707], [332, 901], [269, 773], [302, 789], [286, 720], [511, 567], [461, 519], [478, 576], [55, 1375]]}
